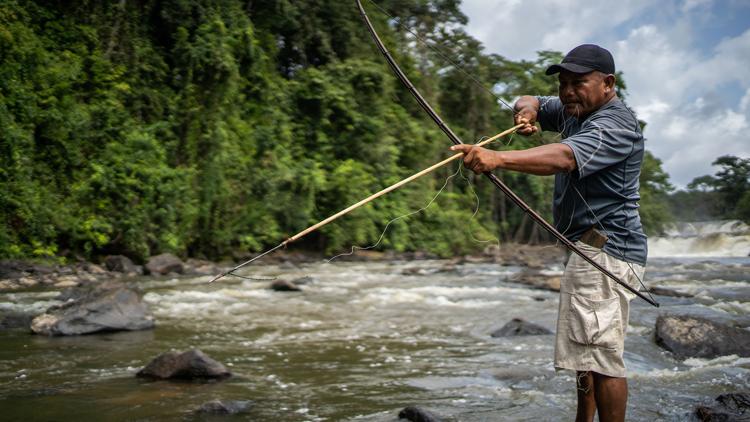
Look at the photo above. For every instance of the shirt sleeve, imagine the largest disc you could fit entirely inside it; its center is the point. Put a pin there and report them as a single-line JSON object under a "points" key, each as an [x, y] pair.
{"points": [[601, 142], [550, 114]]}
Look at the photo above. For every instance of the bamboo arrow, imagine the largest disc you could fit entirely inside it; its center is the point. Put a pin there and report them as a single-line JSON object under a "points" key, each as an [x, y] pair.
{"points": [[365, 201]]}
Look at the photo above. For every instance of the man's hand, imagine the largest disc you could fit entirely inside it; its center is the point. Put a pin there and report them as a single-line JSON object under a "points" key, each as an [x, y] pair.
{"points": [[526, 109], [528, 118], [477, 159]]}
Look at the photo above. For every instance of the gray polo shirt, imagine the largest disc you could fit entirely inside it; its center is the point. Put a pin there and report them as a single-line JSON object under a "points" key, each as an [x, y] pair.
{"points": [[608, 149]]}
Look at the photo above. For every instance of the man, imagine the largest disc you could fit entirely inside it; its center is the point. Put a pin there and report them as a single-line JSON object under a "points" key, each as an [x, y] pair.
{"points": [[596, 166]]}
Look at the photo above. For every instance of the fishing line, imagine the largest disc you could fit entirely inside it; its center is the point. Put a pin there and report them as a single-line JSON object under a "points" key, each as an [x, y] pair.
{"points": [[458, 172]]}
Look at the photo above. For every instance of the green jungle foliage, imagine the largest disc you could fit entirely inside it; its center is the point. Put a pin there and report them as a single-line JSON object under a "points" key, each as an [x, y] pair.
{"points": [[205, 127]]}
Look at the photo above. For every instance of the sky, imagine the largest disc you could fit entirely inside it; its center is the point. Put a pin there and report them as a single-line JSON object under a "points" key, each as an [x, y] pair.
{"points": [[686, 64]]}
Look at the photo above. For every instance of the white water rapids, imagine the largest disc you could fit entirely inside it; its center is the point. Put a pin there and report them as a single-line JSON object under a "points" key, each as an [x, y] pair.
{"points": [[703, 239], [365, 339]]}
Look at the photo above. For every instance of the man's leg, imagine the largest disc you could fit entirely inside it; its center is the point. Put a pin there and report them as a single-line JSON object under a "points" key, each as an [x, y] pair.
{"points": [[611, 395], [586, 399]]}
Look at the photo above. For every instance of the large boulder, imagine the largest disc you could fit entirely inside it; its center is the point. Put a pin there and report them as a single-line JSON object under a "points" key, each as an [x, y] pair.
{"points": [[192, 364], [519, 327], [728, 407], [164, 264], [692, 336], [417, 414], [121, 264], [115, 308]]}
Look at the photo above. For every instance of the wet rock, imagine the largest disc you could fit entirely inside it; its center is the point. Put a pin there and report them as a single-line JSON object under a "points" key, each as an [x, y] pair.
{"points": [[226, 407], [27, 282], [200, 267], [10, 320], [120, 264], [164, 264], [664, 291], [519, 327], [67, 281], [728, 407], [192, 364], [449, 267], [285, 286], [542, 280], [103, 309], [13, 269], [417, 414], [692, 336], [418, 271]]}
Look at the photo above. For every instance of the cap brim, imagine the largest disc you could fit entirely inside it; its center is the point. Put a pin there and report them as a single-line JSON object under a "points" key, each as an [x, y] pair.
{"points": [[571, 67]]}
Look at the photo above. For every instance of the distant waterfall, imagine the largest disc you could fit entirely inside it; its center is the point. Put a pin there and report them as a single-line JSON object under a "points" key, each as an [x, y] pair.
{"points": [[727, 238]]}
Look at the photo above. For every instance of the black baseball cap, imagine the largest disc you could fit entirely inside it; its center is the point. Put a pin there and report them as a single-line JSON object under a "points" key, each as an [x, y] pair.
{"points": [[584, 59]]}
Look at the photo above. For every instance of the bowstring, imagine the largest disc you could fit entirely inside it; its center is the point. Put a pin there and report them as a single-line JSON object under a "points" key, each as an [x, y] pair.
{"points": [[444, 56]]}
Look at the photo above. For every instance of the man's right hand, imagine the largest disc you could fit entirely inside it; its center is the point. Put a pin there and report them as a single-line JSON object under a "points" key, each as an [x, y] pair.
{"points": [[527, 117], [526, 109]]}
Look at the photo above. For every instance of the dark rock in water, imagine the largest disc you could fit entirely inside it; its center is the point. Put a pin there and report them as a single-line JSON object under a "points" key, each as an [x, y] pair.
{"points": [[13, 269], [730, 407], [416, 414], [164, 264], [13, 319], [285, 286], [102, 309], [538, 280], [192, 364], [691, 336], [519, 327], [201, 267], [663, 291], [120, 264], [229, 407]]}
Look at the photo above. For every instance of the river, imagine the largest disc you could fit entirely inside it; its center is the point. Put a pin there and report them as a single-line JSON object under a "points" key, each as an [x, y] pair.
{"points": [[365, 339]]}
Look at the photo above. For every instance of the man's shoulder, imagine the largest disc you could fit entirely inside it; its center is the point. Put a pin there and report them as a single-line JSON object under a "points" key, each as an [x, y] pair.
{"points": [[615, 115]]}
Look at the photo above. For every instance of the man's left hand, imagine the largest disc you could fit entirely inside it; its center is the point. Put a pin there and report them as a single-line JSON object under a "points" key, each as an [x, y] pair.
{"points": [[477, 159]]}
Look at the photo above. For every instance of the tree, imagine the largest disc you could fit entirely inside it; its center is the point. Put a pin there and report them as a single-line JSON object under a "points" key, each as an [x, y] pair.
{"points": [[730, 186]]}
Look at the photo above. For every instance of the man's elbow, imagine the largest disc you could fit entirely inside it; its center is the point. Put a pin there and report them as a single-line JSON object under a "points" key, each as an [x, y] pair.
{"points": [[567, 161]]}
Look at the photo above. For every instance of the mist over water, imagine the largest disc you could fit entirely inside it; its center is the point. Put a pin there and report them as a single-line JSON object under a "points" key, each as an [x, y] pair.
{"points": [[364, 340]]}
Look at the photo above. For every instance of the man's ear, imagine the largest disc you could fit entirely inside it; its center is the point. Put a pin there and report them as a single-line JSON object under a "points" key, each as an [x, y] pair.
{"points": [[609, 83]]}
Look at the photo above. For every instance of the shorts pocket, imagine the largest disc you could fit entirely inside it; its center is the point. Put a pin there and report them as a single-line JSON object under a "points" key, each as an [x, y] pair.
{"points": [[595, 322]]}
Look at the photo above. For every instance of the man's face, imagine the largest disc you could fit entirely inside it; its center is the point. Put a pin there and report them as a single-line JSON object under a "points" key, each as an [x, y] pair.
{"points": [[582, 93]]}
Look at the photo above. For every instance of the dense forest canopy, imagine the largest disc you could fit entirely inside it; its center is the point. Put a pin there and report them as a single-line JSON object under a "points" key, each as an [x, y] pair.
{"points": [[207, 127]]}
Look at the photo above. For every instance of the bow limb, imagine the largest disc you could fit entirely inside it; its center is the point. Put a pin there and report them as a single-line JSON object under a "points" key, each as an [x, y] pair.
{"points": [[494, 179]]}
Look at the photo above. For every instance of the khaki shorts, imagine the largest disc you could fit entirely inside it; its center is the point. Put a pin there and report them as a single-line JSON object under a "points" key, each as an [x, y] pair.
{"points": [[594, 313]]}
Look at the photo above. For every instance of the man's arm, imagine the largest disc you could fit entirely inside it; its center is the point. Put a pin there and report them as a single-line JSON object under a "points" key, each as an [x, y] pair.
{"points": [[542, 160]]}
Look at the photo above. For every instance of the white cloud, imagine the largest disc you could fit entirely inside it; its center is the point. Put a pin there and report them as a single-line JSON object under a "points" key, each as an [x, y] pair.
{"points": [[683, 92], [518, 29]]}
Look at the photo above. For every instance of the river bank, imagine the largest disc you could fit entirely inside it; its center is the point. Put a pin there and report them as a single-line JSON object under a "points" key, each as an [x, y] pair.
{"points": [[29, 274]]}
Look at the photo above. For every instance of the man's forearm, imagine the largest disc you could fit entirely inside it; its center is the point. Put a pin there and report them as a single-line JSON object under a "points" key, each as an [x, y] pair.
{"points": [[542, 160]]}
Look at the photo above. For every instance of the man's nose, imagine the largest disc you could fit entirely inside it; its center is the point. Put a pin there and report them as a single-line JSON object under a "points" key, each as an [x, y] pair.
{"points": [[565, 91]]}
